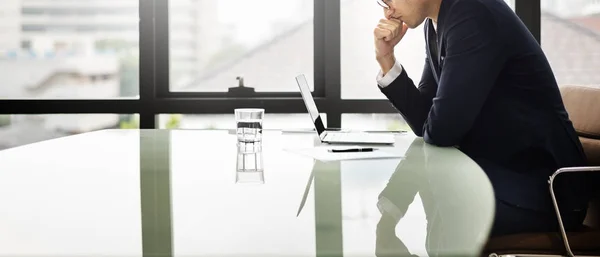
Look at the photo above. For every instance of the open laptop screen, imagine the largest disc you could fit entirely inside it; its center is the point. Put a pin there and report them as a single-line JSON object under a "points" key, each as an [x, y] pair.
{"points": [[310, 103]]}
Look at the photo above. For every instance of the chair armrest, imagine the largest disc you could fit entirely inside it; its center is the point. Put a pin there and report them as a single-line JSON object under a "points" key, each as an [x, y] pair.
{"points": [[551, 182]]}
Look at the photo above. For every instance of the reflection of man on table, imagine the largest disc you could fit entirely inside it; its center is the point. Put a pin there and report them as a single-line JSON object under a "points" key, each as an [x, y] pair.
{"points": [[454, 223]]}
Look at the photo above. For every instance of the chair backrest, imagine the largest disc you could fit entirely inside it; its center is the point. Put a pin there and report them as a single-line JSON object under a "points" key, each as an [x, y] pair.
{"points": [[583, 105]]}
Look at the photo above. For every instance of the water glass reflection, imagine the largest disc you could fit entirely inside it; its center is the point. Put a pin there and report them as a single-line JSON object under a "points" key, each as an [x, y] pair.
{"points": [[249, 164]]}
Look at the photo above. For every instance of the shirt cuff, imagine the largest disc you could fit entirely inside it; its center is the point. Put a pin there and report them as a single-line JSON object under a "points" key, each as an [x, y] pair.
{"points": [[385, 206], [384, 81]]}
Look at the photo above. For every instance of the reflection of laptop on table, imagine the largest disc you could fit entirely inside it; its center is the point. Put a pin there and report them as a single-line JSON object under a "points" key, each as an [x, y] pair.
{"points": [[306, 190], [337, 137]]}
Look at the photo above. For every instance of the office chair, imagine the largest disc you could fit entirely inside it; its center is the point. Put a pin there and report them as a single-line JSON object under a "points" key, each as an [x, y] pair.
{"points": [[583, 106]]}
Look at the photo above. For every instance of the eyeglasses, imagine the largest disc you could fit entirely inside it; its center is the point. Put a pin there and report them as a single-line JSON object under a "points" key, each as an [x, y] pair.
{"points": [[383, 4]]}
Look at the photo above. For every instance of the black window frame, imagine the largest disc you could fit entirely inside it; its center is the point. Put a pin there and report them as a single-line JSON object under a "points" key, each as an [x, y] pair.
{"points": [[155, 97]]}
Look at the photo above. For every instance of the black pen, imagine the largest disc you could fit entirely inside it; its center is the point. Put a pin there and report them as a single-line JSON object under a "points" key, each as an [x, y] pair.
{"points": [[350, 150]]}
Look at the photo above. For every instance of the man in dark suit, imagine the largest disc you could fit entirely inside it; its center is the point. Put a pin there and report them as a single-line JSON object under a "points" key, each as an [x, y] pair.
{"points": [[487, 89]]}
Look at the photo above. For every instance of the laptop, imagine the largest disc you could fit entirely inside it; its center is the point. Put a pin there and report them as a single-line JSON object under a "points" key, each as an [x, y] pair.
{"points": [[332, 136]]}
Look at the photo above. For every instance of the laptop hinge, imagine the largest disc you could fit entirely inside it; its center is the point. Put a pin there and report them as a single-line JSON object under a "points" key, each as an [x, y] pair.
{"points": [[323, 135]]}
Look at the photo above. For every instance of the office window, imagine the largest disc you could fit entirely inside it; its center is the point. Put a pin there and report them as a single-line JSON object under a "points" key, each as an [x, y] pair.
{"points": [[359, 67], [48, 47], [571, 40], [17, 130], [268, 42], [292, 121]]}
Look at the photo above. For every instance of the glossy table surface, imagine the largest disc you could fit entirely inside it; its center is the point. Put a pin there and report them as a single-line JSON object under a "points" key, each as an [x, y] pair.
{"points": [[178, 193]]}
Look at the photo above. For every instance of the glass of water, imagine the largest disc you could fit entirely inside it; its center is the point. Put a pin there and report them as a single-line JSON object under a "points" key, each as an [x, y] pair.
{"points": [[249, 124]]}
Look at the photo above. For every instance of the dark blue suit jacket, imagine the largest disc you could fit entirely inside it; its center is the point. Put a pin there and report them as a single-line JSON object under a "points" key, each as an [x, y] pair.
{"points": [[489, 90]]}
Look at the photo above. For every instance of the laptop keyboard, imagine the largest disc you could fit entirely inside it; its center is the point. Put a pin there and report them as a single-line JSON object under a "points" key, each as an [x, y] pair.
{"points": [[356, 137]]}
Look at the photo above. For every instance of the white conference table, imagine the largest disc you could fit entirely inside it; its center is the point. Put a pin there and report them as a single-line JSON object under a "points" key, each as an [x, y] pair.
{"points": [[174, 193]]}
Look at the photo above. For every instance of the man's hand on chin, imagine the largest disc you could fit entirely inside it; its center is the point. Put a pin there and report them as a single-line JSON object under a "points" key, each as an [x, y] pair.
{"points": [[388, 34]]}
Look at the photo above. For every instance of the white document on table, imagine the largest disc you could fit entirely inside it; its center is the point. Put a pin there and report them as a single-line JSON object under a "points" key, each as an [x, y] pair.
{"points": [[322, 153]]}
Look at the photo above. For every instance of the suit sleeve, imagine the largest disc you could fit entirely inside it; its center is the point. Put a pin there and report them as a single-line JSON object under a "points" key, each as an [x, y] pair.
{"points": [[474, 59], [404, 184], [412, 102], [400, 192]]}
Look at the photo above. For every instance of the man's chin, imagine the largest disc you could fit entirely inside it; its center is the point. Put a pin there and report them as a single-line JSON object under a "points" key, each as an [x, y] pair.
{"points": [[413, 25], [410, 25]]}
